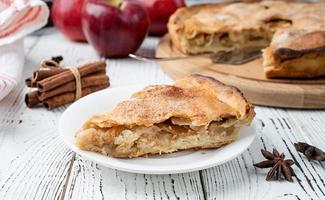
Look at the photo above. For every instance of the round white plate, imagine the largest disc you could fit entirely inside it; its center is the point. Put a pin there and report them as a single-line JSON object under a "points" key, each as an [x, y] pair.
{"points": [[183, 161]]}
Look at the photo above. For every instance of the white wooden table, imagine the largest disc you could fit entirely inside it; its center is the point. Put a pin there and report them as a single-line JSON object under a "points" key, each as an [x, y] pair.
{"points": [[36, 164]]}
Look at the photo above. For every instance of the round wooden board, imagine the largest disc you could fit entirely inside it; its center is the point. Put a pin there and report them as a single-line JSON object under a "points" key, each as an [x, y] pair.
{"points": [[249, 78]]}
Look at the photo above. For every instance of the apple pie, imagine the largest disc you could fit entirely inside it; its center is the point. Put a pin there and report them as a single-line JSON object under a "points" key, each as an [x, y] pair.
{"points": [[291, 34], [197, 112]]}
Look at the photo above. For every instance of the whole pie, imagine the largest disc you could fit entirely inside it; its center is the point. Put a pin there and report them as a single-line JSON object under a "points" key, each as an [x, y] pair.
{"points": [[292, 35], [196, 112]]}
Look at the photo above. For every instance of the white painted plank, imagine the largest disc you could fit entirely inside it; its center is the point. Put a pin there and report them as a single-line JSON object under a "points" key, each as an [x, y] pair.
{"points": [[278, 128], [310, 125], [92, 181]]}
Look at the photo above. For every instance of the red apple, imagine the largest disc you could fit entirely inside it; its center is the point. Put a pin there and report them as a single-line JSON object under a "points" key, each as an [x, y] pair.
{"points": [[114, 28], [159, 12], [66, 16]]}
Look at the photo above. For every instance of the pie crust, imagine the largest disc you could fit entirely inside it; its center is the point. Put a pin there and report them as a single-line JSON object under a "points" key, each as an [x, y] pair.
{"points": [[196, 112], [292, 34]]}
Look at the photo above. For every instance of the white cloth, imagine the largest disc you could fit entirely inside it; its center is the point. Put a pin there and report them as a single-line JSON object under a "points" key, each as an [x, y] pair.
{"points": [[17, 19]]}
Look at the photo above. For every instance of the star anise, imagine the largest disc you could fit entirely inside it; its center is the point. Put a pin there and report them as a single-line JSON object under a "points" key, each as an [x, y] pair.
{"points": [[279, 166], [57, 59], [310, 151]]}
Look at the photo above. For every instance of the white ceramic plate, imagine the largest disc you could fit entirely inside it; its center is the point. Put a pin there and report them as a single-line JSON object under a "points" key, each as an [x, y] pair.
{"points": [[183, 161]]}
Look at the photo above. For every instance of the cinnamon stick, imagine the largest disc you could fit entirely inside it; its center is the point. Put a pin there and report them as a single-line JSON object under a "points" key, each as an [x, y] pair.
{"points": [[87, 81], [67, 76], [69, 97], [45, 73], [29, 83], [31, 99], [42, 74]]}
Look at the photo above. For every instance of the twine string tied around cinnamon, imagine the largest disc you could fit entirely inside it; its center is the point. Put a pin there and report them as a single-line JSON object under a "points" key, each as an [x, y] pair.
{"points": [[77, 78]]}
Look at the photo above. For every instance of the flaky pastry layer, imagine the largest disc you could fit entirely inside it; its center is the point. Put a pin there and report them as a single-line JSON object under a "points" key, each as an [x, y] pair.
{"points": [[196, 112]]}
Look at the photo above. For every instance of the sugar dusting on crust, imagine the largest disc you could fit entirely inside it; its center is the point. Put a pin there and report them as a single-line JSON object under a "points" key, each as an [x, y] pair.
{"points": [[200, 99]]}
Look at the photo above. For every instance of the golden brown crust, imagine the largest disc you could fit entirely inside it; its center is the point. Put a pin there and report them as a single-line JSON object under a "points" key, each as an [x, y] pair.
{"points": [[197, 98], [229, 95], [176, 24], [295, 31], [309, 41], [300, 56]]}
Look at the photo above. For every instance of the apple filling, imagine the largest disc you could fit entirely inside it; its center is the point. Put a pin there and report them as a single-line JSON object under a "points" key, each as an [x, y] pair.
{"points": [[166, 137], [228, 41], [259, 37]]}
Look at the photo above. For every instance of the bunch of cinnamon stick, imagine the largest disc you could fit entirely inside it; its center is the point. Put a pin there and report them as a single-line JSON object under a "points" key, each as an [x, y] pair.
{"points": [[56, 86]]}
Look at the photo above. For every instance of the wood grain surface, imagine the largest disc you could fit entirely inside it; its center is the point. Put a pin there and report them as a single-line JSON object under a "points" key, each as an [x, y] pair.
{"points": [[249, 78], [35, 163]]}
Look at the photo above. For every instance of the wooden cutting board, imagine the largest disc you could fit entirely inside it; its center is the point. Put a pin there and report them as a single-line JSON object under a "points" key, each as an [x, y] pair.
{"points": [[249, 78]]}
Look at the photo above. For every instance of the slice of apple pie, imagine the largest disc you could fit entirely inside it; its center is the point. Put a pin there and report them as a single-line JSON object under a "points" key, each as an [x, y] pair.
{"points": [[196, 112]]}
